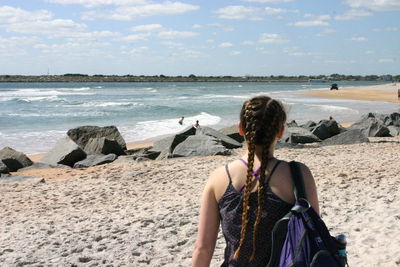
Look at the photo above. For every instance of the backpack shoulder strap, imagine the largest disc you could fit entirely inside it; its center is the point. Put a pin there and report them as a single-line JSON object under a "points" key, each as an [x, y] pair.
{"points": [[297, 178]]}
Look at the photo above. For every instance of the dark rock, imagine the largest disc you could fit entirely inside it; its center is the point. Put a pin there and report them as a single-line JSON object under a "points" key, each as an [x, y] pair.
{"points": [[325, 129], [140, 159], [82, 134], [65, 152], [354, 136], [168, 143], [200, 145], [395, 119], [93, 160], [309, 125], [3, 168], [102, 145], [225, 140], [143, 153], [40, 166], [393, 130], [299, 135], [8, 178], [232, 132], [14, 160], [292, 123]]}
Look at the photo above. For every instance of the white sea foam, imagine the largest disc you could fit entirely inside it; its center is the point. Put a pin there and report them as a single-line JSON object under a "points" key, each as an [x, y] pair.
{"points": [[332, 108], [151, 129], [109, 104], [39, 92]]}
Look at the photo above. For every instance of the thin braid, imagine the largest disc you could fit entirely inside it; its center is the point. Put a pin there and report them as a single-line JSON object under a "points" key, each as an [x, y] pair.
{"points": [[250, 136], [269, 132]]}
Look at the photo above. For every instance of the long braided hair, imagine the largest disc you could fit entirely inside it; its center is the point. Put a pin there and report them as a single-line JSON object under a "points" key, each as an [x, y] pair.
{"points": [[261, 117]]}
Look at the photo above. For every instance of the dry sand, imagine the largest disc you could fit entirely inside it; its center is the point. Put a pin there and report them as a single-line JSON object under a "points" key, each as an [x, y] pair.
{"points": [[145, 213], [384, 92]]}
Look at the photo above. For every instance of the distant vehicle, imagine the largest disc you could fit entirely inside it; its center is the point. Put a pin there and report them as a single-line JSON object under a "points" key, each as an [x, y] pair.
{"points": [[334, 86]]}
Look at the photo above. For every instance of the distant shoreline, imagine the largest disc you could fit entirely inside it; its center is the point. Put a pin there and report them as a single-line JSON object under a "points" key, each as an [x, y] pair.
{"points": [[163, 78]]}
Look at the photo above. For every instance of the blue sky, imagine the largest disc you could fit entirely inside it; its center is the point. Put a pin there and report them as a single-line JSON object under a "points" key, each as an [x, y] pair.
{"points": [[244, 37]]}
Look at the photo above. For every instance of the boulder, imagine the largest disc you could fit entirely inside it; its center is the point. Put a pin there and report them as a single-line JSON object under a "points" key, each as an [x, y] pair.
{"points": [[325, 129], [143, 153], [372, 125], [309, 125], [41, 166], [394, 119], [299, 135], [200, 145], [65, 152], [93, 160], [393, 130], [102, 145], [14, 160], [82, 134], [8, 178], [354, 136], [233, 133], [168, 144], [226, 141], [3, 168], [292, 123]]}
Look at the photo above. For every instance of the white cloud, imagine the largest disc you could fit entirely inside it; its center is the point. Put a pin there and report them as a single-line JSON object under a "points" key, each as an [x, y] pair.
{"points": [[295, 51], [73, 49], [225, 45], [235, 53], [10, 14], [267, 1], [17, 46], [147, 28], [310, 23], [97, 3], [375, 5], [272, 11], [325, 32], [197, 26], [358, 39], [172, 45], [239, 12], [176, 34], [138, 50], [316, 21], [128, 13], [51, 28], [388, 29], [248, 43], [135, 37], [385, 60], [271, 38], [353, 14], [210, 41], [225, 28], [369, 52]]}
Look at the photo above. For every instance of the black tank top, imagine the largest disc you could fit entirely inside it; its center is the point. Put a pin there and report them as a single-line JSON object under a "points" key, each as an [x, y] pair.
{"points": [[230, 208]]}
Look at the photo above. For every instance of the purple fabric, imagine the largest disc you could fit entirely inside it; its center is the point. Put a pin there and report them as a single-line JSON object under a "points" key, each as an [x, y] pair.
{"points": [[256, 173]]}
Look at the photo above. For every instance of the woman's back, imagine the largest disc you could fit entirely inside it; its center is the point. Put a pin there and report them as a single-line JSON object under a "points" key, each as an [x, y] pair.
{"points": [[230, 207]]}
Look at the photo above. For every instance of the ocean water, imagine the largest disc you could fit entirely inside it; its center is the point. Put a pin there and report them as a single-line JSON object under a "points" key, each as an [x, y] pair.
{"points": [[33, 116]]}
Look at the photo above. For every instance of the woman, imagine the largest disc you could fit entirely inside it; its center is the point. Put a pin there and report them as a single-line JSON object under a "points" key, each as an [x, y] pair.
{"points": [[256, 189]]}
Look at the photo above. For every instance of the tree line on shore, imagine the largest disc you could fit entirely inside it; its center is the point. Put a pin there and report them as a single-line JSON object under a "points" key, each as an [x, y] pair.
{"points": [[77, 77]]}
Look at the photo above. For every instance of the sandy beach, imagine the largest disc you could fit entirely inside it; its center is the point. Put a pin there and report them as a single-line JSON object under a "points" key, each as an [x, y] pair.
{"points": [[385, 92], [146, 213]]}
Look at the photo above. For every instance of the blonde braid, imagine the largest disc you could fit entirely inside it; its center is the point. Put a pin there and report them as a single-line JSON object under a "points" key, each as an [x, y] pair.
{"points": [[250, 135]]}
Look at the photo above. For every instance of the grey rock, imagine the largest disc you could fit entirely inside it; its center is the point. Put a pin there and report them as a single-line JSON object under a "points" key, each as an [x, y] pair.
{"points": [[82, 134], [292, 123], [393, 130], [3, 168], [372, 125], [143, 153], [140, 159], [226, 141], [309, 125], [93, 160], [200, 145], [299, 135], [168, 144], [102, 145], [232, 132], [13, 159], [325, 129], [354, 136], [8, 178], [65, 152], [41, 166], [395, 119]]}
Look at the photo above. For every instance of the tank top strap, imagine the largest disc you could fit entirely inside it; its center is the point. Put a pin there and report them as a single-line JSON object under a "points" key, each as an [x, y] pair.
{"points": [[227, 172], [273, 170]]}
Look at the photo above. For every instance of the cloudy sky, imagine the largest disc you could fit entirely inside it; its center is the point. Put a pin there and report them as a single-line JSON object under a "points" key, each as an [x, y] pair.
{"points": [[209, 37]]}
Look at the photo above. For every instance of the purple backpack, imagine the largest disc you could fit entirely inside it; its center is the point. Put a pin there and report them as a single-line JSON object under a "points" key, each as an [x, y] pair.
{"points": [[300, 238]]}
